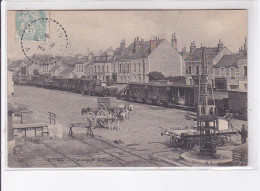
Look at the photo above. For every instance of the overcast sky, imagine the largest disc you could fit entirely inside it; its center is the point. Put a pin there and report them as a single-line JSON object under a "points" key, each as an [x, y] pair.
{"points": [[95, 30]]}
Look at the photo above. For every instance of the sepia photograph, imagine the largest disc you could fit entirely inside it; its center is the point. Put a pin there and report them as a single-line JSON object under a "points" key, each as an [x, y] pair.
{"points": [[127, 88]]}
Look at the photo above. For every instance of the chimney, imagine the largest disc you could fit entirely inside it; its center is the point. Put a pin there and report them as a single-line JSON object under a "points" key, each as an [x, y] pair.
{"points": [[90, 56], [245, 45], [174, 41], [153, 44], [122, 45], [192, 46], [183, 51], [136, 45], [220, 45]]}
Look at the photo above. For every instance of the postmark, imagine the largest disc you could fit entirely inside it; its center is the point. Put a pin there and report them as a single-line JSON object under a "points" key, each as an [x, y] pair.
{"points": [[40, 45]]}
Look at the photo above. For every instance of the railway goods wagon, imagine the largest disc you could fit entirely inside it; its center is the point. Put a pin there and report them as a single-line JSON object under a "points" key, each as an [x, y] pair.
{"points": [[159, 94], [96, 87], [137, 92], [40, 81], [56, 83], [64, 84], [74, 85], [237, 103], [164, 94], [222, 105], [48, 83], [184, 96], [85, 86]]}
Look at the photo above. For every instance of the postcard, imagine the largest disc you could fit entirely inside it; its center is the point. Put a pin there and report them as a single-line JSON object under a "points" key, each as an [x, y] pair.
{"points": [[127, 88]]}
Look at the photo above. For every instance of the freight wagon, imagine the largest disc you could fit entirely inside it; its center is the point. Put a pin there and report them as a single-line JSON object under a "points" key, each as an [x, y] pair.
{"points": [[176, 95], [237, 103]]}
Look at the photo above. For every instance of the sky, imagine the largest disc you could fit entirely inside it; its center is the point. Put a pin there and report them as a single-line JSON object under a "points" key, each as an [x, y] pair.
{"points": [[96, 30]]}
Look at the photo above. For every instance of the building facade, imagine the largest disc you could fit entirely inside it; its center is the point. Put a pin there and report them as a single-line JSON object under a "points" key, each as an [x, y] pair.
{"points": [[194, 58], [142, 57], [231, 71]]}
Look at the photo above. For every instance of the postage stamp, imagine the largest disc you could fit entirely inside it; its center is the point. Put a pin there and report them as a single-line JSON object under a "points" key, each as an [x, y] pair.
{"points": [[27, 19]]}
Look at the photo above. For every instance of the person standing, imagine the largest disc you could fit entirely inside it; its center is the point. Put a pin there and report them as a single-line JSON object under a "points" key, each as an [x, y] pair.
{"points": [[243, 134]]}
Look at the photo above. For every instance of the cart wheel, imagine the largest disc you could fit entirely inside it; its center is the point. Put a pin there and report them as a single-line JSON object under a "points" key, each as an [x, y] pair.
{"points": [[224, 140], [101, 106], [102, 117], [189, 144], [218, 141], [91, 119]]}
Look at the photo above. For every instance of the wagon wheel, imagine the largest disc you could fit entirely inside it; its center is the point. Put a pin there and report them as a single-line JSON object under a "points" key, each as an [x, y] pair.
{"points": [[102, 106], [102, 118], [91, 119], [218, 141]]}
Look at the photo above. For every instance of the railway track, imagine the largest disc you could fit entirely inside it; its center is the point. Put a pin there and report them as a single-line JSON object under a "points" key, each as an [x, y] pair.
{"points": [[111, 151], [123, 162]]}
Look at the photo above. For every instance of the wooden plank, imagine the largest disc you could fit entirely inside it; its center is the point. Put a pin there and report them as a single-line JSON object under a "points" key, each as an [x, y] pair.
{"points": [[32, 125]]}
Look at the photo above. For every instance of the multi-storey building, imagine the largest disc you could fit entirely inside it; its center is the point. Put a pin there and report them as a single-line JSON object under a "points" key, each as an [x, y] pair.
{"points": [[103, 67], [230, 71], [142, 57], [194, 58]]}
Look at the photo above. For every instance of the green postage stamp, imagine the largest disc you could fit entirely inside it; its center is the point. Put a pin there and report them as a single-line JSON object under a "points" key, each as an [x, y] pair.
{"points": [[30, 24]]}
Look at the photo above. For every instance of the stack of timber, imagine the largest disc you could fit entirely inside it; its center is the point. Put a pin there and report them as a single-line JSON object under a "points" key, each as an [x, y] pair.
{"points": [[240, 155]]}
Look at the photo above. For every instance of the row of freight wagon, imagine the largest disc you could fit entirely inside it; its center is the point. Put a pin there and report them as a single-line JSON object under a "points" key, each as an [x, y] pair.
{"points": [[186, 97], [168, 95], [76, 85]]}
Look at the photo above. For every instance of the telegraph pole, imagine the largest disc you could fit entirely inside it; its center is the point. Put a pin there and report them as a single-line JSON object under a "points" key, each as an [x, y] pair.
{"points": [[143, 60]]}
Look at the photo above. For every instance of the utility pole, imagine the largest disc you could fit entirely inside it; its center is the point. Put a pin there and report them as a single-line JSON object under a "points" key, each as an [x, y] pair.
{"points": [[143, 60]]}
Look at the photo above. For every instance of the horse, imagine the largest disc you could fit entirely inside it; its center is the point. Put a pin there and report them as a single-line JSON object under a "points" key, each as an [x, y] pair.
{"points": [[85, 110]]}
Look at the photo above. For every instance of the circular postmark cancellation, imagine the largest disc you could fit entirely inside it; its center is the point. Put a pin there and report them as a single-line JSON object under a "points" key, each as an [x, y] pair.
{"points": [[44, 40]]}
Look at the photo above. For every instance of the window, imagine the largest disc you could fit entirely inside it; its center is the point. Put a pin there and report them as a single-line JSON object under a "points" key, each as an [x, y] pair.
{"points": [[120, 67], [98, 68], [222, 72], [189, 70], [103, 68], [107, 69], [135, 67], [232, 73], [245, 85], [245, 70], [197, 69], [190, 81], [95, 68], [139, 67], [128, 67]]}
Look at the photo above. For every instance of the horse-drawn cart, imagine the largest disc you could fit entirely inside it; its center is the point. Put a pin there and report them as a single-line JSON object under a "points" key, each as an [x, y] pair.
{"points": [[103, 114]]}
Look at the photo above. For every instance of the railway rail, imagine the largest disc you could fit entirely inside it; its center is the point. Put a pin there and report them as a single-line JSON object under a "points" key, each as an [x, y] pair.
{"points": [[123, 162]]}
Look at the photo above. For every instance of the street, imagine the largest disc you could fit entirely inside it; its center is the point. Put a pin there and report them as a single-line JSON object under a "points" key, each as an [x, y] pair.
{"points": [[140, 135]]}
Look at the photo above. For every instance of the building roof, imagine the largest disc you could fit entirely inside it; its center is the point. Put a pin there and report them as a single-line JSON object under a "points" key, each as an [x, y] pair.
{"points": [[228, 61], [79, 62], [15, 64], [103, 59], [54, 68], [67, 71], [129, 53], [196, 55]]}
